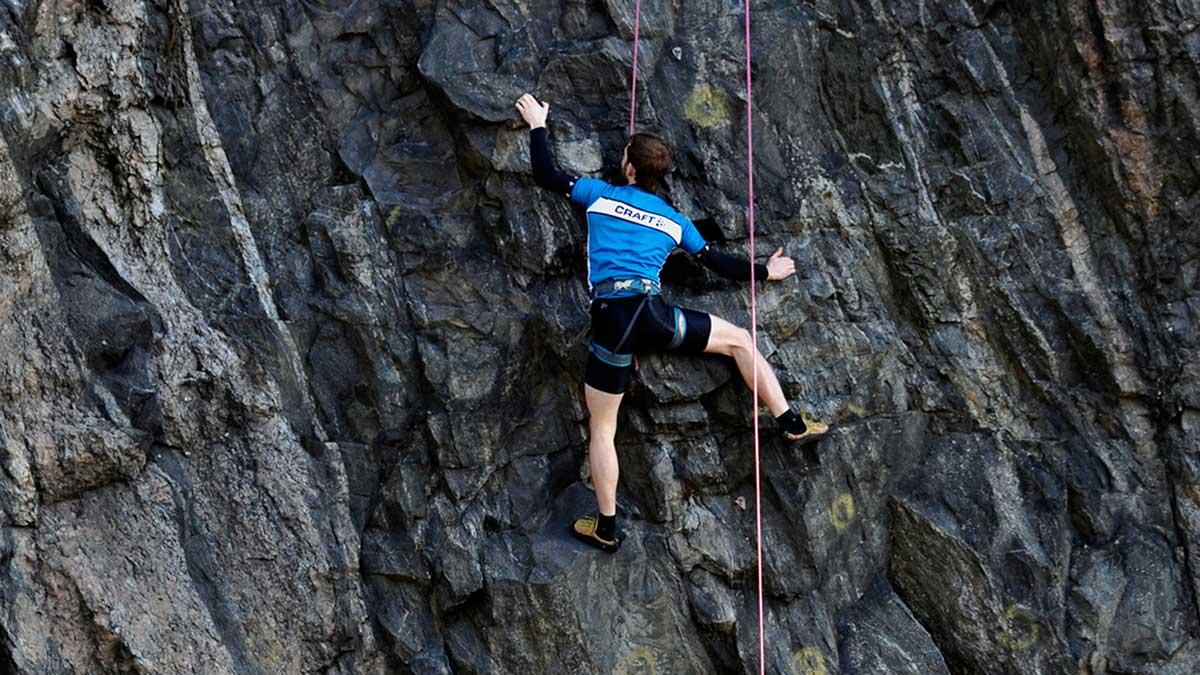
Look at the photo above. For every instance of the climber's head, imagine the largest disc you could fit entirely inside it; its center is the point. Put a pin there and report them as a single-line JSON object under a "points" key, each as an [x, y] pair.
{"points": [[646, 160]]}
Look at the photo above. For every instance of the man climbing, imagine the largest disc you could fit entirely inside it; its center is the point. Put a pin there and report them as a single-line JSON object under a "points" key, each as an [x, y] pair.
{"points": [[630, 233]]}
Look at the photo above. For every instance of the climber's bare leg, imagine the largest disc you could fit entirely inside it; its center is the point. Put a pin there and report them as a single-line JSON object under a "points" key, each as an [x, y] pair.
{"points": [[602, 449], [731, 340]]}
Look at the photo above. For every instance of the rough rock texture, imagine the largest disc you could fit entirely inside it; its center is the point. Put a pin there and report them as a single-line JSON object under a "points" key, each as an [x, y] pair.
{"points": [[291, 347]]}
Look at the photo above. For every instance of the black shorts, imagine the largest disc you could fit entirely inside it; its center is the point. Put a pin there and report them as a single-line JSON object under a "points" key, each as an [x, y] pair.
{"points": [[652, 327]]}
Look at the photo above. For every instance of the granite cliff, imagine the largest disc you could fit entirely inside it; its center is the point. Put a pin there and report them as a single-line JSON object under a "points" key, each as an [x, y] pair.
{"points": [[291, 346]]}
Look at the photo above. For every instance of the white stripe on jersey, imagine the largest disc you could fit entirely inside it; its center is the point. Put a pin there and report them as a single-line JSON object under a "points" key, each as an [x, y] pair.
{"points": [[632, 214]]}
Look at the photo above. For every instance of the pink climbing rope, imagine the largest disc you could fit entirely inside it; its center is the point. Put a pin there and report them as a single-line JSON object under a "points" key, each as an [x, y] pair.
{"points": [[637, 21], [754, 341]]}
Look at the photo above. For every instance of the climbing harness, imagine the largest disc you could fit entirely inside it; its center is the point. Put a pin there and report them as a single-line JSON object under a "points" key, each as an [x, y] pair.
{"points": [[753, 298], [648, 287], [614, 357], [607, 287], [632, 322]]}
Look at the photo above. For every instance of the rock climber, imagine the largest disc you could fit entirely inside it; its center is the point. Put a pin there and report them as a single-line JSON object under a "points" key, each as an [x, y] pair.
{"points": [[631, 231]]}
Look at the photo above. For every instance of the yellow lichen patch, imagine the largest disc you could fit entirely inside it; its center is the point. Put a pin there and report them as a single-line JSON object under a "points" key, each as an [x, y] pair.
{"points": [[705, 106], [841, 512], [809, 661], [1019, 629], [639, 661]]}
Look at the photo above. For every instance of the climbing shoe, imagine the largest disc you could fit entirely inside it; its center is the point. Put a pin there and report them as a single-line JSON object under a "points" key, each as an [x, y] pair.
{"points": [[799, 428], [584, 529]]}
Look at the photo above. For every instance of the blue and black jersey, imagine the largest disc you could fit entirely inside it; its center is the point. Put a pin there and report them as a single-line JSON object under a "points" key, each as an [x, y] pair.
{"points": [[630, 231]]}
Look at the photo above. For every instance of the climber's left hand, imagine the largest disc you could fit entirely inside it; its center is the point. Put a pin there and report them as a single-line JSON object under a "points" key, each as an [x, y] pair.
{"points": [[534, 113]]}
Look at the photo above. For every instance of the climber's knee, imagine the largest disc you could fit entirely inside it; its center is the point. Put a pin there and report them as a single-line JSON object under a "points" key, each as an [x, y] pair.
{"points": [[727, 338]]}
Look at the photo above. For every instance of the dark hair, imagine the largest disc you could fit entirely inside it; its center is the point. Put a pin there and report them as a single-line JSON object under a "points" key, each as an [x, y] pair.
{"points": [[651, 156]]}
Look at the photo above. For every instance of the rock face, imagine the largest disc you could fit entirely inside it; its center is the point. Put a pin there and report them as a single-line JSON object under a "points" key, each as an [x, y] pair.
{"points": [[291, 347]]}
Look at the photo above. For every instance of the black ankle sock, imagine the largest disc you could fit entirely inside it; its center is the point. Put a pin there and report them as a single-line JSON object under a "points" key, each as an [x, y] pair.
{"points": [[791, 423], [606, 526]]}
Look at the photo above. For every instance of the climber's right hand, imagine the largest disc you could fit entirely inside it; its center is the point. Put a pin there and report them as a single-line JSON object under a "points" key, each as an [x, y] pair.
{"points": [[780, 266]]}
